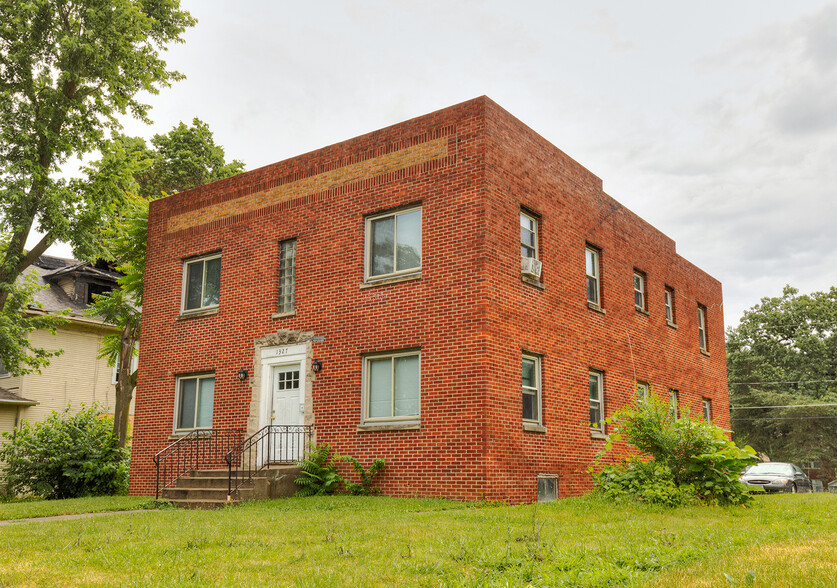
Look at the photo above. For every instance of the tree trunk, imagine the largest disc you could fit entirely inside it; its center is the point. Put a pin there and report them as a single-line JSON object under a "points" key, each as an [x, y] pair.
{"points": [[125, 385]]}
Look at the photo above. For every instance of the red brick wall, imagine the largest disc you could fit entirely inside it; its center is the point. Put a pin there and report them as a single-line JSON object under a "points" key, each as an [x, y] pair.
{"points": [[471, 166], [525, 170]]}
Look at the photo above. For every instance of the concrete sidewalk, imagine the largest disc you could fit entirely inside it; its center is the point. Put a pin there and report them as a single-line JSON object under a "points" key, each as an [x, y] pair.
{"points": [[71, 517]]}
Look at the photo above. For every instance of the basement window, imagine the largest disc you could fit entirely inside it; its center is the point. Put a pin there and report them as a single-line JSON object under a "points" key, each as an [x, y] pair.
{"points": [[547, 487]]}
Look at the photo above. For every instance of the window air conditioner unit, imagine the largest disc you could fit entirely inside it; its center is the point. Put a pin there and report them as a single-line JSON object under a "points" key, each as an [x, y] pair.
{"points": [[530, 266]]}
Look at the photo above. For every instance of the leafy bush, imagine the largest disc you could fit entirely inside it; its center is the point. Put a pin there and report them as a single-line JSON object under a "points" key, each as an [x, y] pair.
{"points": [[692, 456], [318, 476], [648, 482], [365, 487], [65, 456]]}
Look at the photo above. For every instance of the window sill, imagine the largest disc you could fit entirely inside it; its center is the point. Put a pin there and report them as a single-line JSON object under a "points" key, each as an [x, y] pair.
{"points": [[197, 314], [598, 435], [642, 311], [389, 427], [395, 280], [533, 282], [672, 325], [705, 352], [280, 315], [534, 428], [595, 307], [180, 434]]}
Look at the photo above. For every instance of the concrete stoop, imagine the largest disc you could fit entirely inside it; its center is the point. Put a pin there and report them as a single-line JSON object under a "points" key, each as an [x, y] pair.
{"points": [[209, 488]]}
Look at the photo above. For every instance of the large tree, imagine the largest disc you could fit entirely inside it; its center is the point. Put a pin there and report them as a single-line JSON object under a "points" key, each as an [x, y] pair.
{"points": [[184, 158], [68, 70], [784, 354]]}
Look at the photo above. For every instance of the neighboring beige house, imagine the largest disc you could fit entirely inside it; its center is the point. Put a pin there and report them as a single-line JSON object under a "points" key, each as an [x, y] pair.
{"points": [[77, 376]]}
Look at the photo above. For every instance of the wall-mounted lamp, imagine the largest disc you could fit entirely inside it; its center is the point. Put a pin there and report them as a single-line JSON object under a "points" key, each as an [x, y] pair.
{"points": [[316, 366], [242, 374]]}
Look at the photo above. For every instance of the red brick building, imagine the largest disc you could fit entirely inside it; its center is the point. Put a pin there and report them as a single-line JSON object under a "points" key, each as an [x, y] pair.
{"points": [[474, 299]]}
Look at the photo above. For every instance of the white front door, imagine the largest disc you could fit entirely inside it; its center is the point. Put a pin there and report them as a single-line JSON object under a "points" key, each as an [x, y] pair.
{"points": [[287, 408]]}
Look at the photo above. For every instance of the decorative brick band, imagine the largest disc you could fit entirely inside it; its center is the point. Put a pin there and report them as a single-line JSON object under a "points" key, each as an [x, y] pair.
{"points": [[370, 168]]}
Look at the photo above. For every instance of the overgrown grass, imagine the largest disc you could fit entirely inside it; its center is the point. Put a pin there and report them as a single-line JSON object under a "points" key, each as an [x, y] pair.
{"points": [[354, 541], [26, 509]]}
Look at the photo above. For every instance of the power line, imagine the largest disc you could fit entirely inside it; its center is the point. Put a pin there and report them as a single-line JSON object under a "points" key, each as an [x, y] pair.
{"points": [[788, 382], [784, 418], [781, 406]]}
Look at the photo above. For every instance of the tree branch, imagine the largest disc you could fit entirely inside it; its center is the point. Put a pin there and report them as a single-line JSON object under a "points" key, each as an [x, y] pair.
{"points": [[34, 253]]}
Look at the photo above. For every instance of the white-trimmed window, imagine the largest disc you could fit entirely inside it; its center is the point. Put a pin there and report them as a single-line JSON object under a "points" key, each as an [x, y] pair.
{"points": [[592, 256], [201, 283], [669, 300], [642, 389], [287, 275], [596, 386], [702, 327], [674, 404], [195, 396], [393, 243], [531, 387], [114, 377], [528, 235], [392, 389], [639, 290], [707, 410], [4, 373]]}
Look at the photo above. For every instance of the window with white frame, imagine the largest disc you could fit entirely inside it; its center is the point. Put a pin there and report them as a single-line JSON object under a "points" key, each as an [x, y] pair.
{"points": [[392, 387], [4, 373], [393, 243], [707, 410], [287, 275], [639, 290], [596, 386], [195, 395], [674, 404], [114, 379], [592, 256], [528, 235], [531, 387], [669, 301], [201, 283], [702, 327], [642, 389]]}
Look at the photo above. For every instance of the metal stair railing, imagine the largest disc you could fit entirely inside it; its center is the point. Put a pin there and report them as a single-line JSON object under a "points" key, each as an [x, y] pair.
{"points": [[269, 445], [205, 448]]}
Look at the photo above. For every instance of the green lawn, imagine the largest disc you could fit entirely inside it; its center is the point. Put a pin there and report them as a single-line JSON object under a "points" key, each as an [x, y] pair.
{"points": [[50, 508], [350, 541]]}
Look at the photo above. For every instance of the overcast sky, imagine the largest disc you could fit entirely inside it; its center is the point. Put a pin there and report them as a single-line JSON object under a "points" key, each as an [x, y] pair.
{"points": [[715, 121]]}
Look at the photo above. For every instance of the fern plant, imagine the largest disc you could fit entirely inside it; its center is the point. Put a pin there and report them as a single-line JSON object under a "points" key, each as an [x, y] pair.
{"points": [[365, 488], [319, 476]]}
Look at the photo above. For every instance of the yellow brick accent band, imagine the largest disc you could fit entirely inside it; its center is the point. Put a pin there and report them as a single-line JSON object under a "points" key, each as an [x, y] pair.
{"points": [[370, 168]]}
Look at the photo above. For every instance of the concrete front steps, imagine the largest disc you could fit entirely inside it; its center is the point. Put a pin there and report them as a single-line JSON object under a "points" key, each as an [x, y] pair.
{"points": [[208, 488]]}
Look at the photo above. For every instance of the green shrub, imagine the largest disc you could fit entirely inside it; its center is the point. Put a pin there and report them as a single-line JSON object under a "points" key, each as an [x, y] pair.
{"points": [[65, 456], [648, 482], [318, 476], [692, 456], [365, 488]]}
